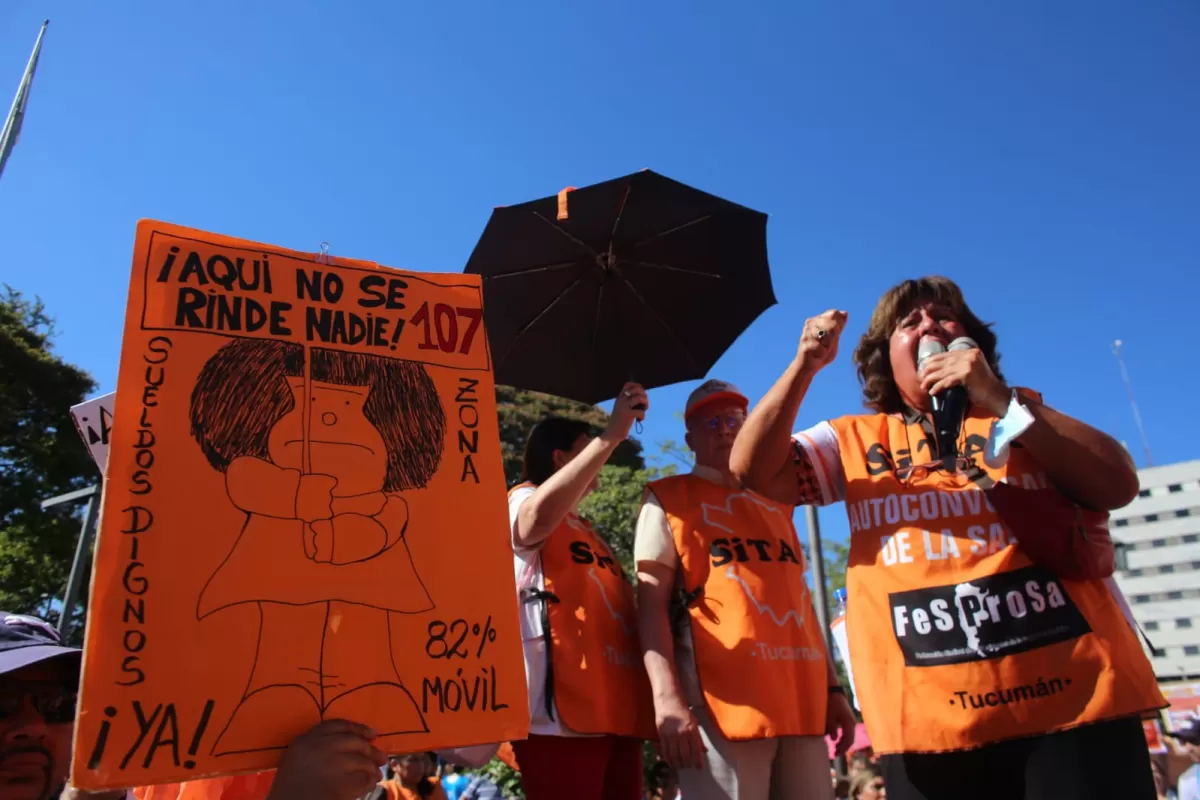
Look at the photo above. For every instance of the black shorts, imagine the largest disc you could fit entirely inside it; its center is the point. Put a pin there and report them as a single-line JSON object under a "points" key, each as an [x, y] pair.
{"points": [[1093, 762]]}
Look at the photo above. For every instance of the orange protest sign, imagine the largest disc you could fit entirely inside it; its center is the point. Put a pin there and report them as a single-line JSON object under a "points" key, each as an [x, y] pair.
{"points": [[304, 517]]}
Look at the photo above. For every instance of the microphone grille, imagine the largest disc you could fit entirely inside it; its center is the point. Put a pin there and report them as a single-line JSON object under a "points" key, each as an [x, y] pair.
{"points": [[928, 347], [963, 343]]}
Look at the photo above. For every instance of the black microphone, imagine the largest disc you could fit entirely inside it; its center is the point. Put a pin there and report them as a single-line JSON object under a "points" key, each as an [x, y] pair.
{"points": [[949, 405]]}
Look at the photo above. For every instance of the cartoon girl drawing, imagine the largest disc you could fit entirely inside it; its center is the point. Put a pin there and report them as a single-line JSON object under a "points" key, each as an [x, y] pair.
{"points": [[317, 455]]}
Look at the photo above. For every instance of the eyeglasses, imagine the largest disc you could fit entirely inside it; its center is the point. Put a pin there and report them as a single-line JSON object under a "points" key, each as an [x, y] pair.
{"points": [[731, 422], [56, 703]]}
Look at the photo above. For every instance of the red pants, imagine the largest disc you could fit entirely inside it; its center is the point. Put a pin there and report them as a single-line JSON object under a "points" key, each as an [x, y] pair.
{"points": [[591, 768]]}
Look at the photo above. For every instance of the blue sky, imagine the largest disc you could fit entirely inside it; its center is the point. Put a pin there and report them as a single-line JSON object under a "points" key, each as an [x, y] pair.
{"points": [[1045, 155]]}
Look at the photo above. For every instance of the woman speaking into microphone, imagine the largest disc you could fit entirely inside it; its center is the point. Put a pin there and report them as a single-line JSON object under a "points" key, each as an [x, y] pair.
{"points": [[977, 668]]}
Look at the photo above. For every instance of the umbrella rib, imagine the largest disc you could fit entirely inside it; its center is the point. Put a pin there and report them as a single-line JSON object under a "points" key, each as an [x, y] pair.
{"points": [[617, 222], [531, 270], [534, 321], [684, 270], [595, 320], [558, 228], [676, 229], [670, 331]]}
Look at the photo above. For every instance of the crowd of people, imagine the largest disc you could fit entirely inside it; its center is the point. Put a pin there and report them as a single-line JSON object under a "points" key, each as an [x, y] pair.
{"points": [[981, 671]]}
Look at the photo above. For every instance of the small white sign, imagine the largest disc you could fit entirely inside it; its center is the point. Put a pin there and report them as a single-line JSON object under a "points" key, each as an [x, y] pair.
{"points": [[93, 420], [841, 641]]}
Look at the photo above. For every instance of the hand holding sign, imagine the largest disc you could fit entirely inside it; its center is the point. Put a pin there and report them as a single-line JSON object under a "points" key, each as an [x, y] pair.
{"points": [[336, 760]]}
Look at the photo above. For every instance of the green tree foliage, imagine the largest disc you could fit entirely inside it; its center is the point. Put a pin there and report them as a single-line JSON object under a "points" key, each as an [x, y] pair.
{"points": [[837, 557], [613, 508], [519, 411], [40, 456], [507, 780]]}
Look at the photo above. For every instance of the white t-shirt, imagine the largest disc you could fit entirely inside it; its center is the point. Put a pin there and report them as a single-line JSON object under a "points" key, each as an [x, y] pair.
{"points": [[653, 541], [1189, 783], [527, 569]]}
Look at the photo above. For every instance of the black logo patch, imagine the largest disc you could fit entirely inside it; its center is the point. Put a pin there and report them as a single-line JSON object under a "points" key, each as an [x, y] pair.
{"points": [[990, 617]]}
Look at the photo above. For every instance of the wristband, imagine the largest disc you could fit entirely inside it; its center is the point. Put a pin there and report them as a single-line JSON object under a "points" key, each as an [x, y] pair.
{"points": [[1004, 432]]}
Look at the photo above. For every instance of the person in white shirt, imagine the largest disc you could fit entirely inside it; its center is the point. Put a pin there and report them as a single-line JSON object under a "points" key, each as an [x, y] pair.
{"points": [[589, 701], [744, 691]]}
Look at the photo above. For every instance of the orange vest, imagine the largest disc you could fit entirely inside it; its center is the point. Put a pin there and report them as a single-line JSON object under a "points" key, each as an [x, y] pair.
{"points": [[759, 648], [234, 787], [956, 637], [397, 791], [594, 675]]}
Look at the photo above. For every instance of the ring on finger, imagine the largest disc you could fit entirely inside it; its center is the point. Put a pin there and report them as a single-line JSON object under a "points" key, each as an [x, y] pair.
{"points": [[821, 334]]}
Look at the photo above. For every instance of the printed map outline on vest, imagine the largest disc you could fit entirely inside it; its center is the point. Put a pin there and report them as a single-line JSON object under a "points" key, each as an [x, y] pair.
{"points": [[728, 509], [764, 609], [578, 525], [625, 626]]}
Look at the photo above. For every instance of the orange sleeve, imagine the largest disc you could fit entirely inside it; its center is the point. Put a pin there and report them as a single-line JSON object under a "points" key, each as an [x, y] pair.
{"points": [[259, 487]]}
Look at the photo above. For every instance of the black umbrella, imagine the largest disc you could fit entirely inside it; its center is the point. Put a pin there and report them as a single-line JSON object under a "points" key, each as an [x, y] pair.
{"points": [[639, 278]]}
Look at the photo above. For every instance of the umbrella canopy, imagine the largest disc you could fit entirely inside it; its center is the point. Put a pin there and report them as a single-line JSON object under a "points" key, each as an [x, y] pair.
{"points": [[638, 278]]}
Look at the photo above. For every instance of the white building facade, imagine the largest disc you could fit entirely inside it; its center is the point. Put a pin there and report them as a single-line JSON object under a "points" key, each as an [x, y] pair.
{"points": [[1158, 540]]}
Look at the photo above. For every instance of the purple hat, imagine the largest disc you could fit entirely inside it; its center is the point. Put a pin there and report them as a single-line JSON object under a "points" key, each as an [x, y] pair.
{"points": [[28, 640], [1188, 732]]}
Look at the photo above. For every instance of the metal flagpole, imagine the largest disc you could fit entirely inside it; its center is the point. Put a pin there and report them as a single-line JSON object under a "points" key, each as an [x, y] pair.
{"points": [[821, 602], [1137, 416], [82, 549], [16, 115]]}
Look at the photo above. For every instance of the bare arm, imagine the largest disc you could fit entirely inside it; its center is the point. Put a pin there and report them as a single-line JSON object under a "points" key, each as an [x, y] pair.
{"points": [[1088, 466], [550, 503], [679, 741], [763, 455], [655, 583]]}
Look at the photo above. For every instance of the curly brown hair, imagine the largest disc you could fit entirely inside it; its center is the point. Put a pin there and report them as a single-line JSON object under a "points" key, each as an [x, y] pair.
{"points": [[872, 356]]}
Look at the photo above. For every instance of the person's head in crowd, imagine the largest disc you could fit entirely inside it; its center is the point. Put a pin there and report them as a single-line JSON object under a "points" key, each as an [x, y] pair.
{"points": [[551, 445], [841, 788], [867, 784], [413, 770], [39, 680], [860, 760], [886, 356], [662, 781], [714, 414]]}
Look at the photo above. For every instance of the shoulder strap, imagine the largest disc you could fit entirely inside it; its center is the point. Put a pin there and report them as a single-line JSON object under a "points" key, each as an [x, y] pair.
{"points": [[531, 594]]}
